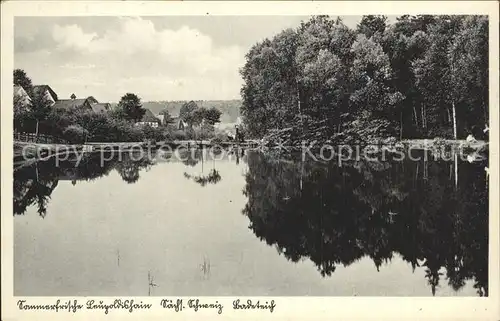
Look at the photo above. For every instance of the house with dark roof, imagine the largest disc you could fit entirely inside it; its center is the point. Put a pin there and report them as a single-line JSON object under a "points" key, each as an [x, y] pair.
{"points": [[84, 103], [45, 91], [148, 119]]}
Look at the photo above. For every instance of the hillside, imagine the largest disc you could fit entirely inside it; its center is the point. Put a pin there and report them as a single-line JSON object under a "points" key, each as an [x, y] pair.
{"points": [[230, 108]]}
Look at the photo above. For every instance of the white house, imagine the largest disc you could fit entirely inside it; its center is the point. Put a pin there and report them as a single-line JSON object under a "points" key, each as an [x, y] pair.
{"points": [[148, 119], [21, 96]]}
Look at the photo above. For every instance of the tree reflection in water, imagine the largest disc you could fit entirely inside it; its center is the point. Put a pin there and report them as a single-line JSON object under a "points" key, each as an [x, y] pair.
{"points": [[336, 215], [33, 185], [191, 157], [213, 177], [129, 167]]}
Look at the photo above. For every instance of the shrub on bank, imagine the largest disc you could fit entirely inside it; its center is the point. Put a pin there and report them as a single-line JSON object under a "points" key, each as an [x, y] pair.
{"points": [[75, 134], [156, 134], [179, 135]]}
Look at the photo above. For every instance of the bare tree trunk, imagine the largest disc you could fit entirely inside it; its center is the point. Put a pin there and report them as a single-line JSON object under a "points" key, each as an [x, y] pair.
{"points": [[301, 173], [454, 120], [401, 126], [425, 169], [485, 115], [416, 117], [36, 132], [300, 108], [298, 98], [422, 115], [425, 116], [416, 174]]}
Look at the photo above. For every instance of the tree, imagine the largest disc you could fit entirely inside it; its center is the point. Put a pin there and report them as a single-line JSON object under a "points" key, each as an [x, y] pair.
{"points": [[117, 113], [22, 115], [433, 79], [212, 116], [196, 117], [188, 113], [403, 44], [270, 93], [40, 109], [318, 69], [415, 78], [468, 59], [22, 79], [75, 134], [371, 74], [409, 25], [369, 25], [73, 96], [132, 107]]}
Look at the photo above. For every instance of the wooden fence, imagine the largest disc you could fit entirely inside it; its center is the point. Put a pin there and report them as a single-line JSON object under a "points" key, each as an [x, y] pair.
{"points": [[41, 138]]}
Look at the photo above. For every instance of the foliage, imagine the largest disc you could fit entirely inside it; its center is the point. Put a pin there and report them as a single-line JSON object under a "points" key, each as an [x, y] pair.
{"points": [[219, 137], [118, 125], [156, 134], [420, 76], [370, 24], [196, 116], [230, 109], [179, 135], [23, 119], [22, 79], [131, 106], [75, 134], [212, 115]]}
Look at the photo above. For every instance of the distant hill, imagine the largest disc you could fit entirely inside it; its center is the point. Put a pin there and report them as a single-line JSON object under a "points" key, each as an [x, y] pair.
{"points": [[230, 109]]}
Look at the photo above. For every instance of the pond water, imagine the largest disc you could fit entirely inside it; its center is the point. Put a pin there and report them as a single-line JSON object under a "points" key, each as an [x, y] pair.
{"points": [[251, 225]]}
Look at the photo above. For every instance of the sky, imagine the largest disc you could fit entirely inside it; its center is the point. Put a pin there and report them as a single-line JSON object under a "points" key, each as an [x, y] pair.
{"points": [[157, 58]]}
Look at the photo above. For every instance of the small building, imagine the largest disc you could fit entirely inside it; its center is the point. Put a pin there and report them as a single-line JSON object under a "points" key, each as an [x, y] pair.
{"points": [[161, 117], [46, 92], [21, 97], [148, 119]]}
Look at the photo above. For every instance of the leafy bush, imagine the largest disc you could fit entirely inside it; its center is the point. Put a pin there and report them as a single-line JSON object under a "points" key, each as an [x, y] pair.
{"points": [[219, 137], [153, 133], [75, 134], [179, 135]]}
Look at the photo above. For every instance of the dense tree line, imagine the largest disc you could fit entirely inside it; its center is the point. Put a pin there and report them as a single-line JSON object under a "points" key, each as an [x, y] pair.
{"points": [[230, 109], [194, 115], [422, 76]]}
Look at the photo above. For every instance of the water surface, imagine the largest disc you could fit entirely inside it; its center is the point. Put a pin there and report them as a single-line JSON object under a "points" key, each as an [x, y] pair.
{"points": [[254, 225]]}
